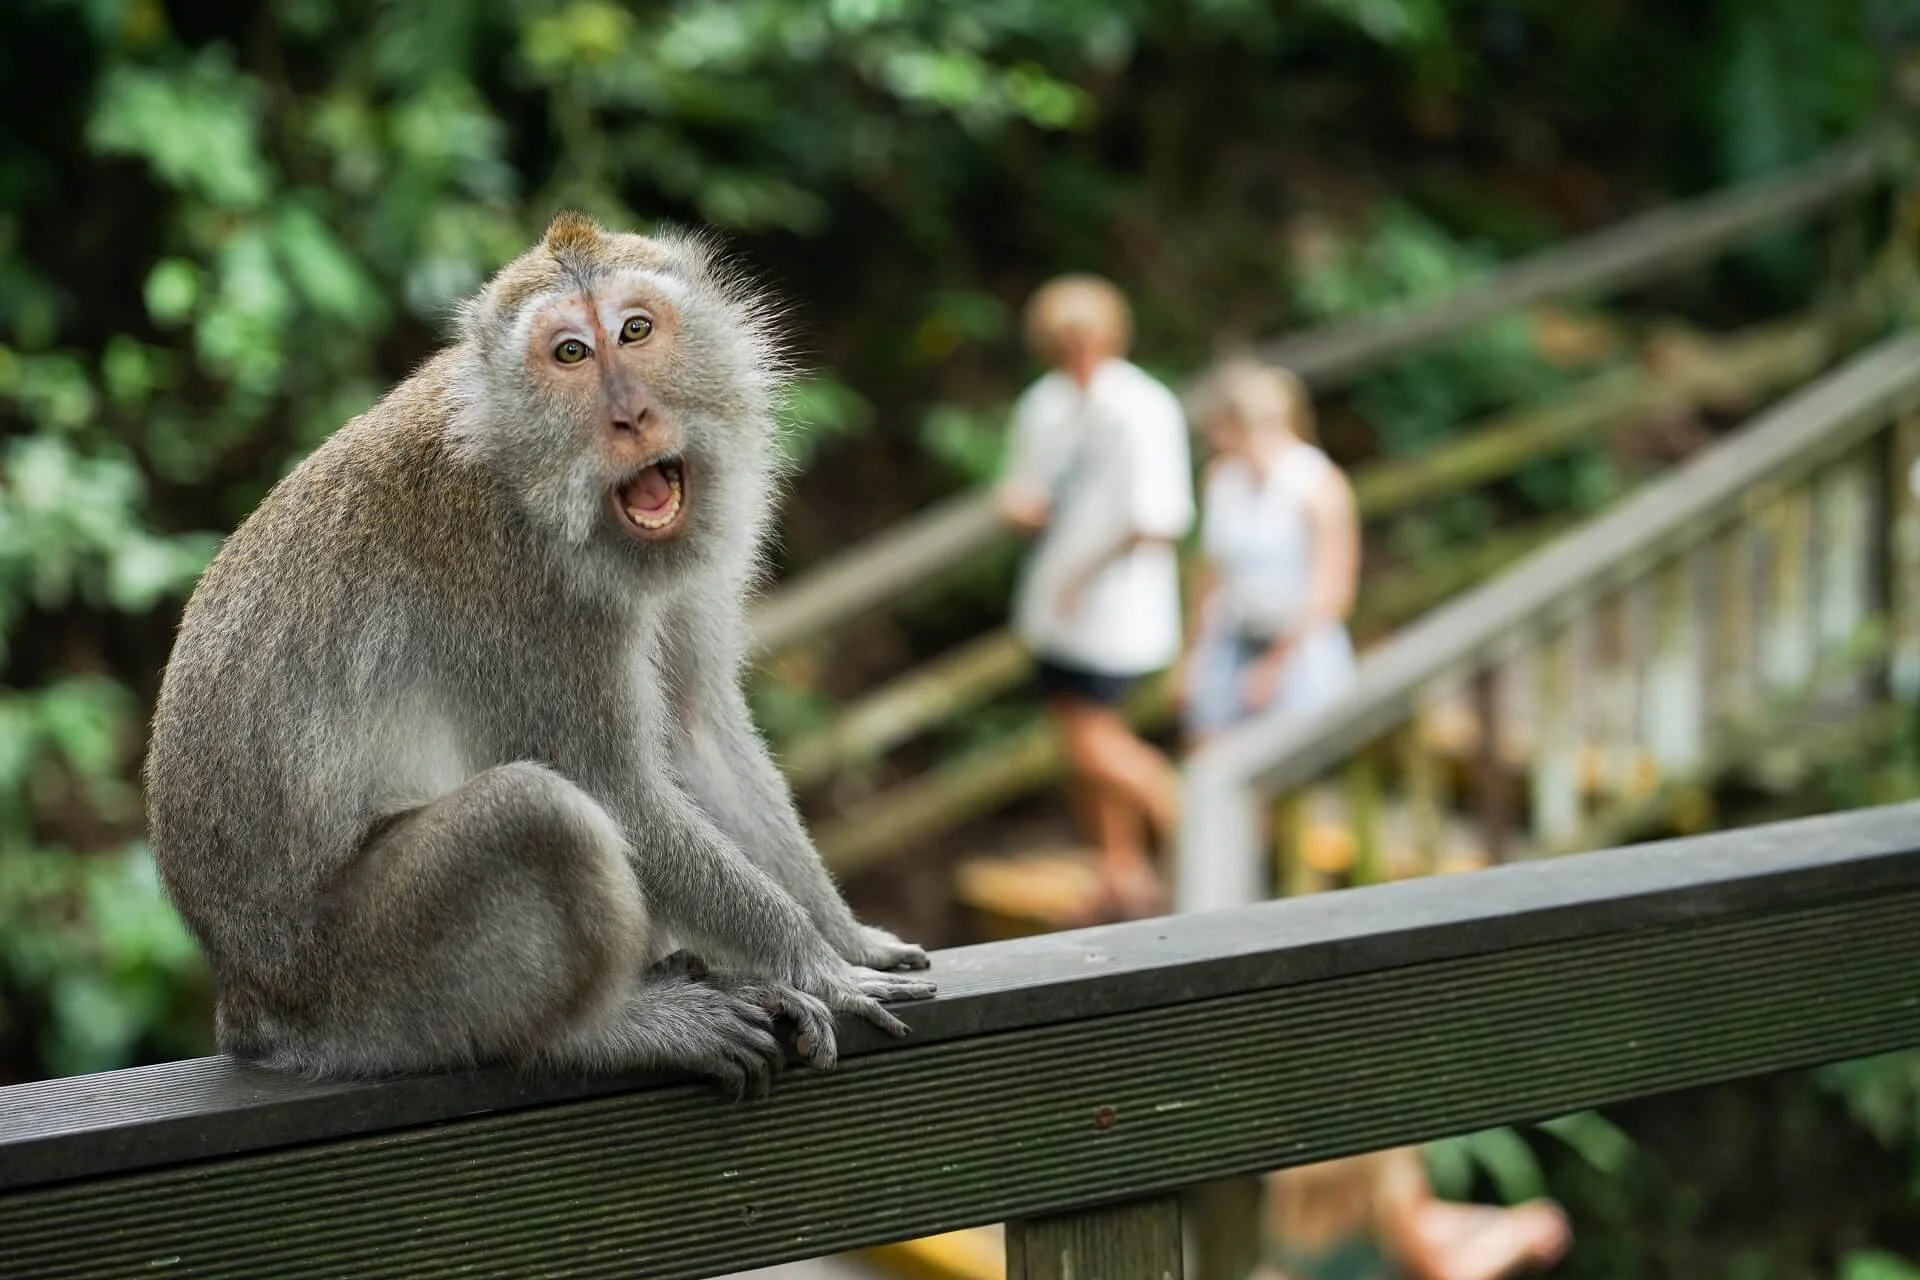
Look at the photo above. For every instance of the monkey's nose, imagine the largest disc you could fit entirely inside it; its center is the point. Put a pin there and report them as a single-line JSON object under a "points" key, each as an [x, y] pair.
{"points": [[628, 422]]}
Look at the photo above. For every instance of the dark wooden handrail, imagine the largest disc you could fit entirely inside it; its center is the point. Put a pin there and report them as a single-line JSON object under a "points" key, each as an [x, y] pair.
{"points": [[1051, 1073]]}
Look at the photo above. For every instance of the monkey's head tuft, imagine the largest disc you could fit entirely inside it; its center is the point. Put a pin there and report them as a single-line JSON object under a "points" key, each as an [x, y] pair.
{"points": [[625, 386], [572, 232]]}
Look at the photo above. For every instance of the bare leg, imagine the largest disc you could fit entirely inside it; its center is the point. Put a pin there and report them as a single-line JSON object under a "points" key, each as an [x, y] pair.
{"points": [[1131, 786], [1104, 748], [1086, 811], [502, 922]]}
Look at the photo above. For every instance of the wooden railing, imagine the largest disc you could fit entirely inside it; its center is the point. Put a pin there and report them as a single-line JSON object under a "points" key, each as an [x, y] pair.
{"points": [[1070, 1084], [1748, 602]]}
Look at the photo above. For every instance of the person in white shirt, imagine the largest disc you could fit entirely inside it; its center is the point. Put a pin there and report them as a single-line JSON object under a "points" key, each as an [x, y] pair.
{"points": [[1280, 546], [1099, 472]]}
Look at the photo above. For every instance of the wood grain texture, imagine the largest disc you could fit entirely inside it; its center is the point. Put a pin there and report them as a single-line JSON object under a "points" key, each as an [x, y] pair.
{"points": [[1137, 1240]]}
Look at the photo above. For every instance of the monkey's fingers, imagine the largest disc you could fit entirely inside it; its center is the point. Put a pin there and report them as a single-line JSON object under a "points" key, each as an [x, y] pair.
{"points": [[893, 986], [884, 951], [873, 1011]]}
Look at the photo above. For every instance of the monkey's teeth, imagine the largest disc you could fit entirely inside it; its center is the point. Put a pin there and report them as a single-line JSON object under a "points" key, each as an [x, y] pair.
{"points": [[662, 519]]}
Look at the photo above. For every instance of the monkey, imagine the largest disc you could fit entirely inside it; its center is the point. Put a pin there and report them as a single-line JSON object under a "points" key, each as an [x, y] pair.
{"points": [[452, 763]]}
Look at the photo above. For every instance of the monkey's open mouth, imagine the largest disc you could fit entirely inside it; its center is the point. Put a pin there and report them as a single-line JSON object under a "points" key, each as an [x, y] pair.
{"points": [[653, 504]]}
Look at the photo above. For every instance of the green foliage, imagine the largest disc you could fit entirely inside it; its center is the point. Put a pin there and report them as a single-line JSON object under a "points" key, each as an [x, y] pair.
{"points": [[1883, 1096], [1876, 1264], [104, 966], [1414, 404], [970, 441], [820, 410], [1510, 1163]]}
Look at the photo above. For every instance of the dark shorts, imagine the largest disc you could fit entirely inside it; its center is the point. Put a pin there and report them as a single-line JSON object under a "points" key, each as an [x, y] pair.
{"points": [[1064, 680]]}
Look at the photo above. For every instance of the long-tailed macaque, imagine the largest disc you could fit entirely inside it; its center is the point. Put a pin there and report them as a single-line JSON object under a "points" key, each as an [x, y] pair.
{"points": [[452, 756]]}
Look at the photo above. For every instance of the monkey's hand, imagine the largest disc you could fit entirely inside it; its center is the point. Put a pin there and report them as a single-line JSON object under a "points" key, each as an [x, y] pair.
{"points": [[878, 949], [856, 989]]}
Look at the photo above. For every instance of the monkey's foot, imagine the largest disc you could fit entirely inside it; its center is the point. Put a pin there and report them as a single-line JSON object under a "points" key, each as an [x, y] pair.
{"points": [[680, 964], [720, 1034], [878, 949]]}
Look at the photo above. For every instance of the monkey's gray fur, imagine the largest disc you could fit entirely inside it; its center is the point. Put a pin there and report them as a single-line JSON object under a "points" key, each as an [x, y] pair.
{"points": [[446, 757]]}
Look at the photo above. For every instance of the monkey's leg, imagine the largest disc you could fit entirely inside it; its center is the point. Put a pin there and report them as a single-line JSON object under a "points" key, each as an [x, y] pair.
{"points": [[502, 921]]}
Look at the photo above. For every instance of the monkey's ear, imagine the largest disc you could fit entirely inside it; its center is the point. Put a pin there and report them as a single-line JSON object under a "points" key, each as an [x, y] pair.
{"points": [[570, 232], [469, 317]]}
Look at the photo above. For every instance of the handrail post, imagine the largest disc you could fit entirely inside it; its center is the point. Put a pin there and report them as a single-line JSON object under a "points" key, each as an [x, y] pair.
{"points": [[1218, 863], [1139, 1240]]}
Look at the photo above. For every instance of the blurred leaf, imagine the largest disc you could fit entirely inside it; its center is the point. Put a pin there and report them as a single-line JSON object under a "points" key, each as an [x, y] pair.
{"points": [[1392, 22], [1874, 1264], [324, 273], [1600, 1142], [197, 127], [971, 441], [1502, 1153], [173, 287], [1449, 1167], [820, 409]]}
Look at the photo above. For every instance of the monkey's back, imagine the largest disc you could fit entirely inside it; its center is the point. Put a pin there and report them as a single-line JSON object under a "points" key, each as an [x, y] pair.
{"points": [[295, 639]]}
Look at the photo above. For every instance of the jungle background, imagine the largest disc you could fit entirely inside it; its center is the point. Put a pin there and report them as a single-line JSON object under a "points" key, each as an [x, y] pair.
{"points": [[226, 228]]}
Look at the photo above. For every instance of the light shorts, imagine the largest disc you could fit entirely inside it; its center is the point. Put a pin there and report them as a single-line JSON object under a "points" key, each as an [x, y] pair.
{"points": [[1318, 671]]}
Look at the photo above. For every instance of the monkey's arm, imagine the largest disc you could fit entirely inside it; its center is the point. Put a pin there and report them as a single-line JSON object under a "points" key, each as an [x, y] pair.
{"points": [[725, 763], [710, 894]]}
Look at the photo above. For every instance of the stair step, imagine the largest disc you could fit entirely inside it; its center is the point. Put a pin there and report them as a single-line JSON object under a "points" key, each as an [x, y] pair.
{"points": [[1056, 886]]}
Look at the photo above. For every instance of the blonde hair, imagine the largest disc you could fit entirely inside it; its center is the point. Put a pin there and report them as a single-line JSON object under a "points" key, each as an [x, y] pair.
{"points": [[1077, 304], [1260, 396]]}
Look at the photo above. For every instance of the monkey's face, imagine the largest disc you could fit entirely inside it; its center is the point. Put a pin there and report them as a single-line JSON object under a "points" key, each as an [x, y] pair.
{"points": [[595, 359], [633, 390]]}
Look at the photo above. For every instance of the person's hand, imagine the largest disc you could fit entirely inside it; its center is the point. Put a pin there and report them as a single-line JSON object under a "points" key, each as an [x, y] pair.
{"points": [[1025, 509], [1260, 684]]}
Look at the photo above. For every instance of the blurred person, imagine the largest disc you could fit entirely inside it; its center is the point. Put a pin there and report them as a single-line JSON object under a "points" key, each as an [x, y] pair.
{"points": [[1280, 557], [1376, 1217], [1100, 475]]}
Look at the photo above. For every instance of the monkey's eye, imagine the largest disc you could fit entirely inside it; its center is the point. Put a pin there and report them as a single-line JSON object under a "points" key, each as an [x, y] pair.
{"points": [[636, 329], [572, 351]]}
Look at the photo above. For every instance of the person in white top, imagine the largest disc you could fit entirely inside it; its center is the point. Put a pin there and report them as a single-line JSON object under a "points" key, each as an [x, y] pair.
{"points": [[1099, 472], [1280, 545]]}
